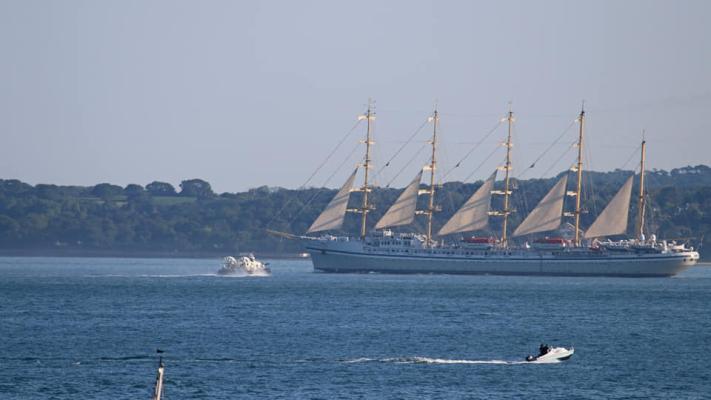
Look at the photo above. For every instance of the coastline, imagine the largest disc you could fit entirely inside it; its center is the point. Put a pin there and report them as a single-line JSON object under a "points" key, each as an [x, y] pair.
{"points": [[75, 253]]}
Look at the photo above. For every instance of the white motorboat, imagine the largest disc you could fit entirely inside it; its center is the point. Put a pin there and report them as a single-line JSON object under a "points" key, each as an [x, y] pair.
{"points": [[243, 265], [551, 354]]}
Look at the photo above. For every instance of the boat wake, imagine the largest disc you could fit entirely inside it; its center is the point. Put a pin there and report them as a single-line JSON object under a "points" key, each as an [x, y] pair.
{"points": [[241, 274], [234, 275], [428, 360]]}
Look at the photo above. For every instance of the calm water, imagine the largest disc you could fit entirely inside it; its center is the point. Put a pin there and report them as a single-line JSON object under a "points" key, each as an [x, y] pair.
{"points": [[87, 329]]}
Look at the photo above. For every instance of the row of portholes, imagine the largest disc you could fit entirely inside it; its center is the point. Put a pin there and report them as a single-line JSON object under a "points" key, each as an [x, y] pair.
{"points": [[486, 253]]}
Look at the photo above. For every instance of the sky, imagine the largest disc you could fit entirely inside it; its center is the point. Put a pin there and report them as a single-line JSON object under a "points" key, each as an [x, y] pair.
{"points": [[246, 93]]}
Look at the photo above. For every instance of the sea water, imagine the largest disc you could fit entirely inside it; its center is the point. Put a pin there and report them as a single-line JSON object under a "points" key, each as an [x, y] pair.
{"points": [[88, 329]]}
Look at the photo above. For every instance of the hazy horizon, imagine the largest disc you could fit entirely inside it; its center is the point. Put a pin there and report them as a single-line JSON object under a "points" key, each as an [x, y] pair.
{"points": [[246, 94]]}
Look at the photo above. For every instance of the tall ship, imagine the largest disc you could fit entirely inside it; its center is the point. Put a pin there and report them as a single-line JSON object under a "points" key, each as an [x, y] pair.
{"points": [[454, 249]]}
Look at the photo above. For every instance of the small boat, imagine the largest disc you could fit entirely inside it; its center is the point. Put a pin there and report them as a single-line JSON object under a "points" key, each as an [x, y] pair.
{"points": [[555, 243], [547, 354], [244, 264], [479, 243]]}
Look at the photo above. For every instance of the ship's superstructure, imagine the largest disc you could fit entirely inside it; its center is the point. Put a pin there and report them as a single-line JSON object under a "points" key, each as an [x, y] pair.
{"points": [[586, 253]]}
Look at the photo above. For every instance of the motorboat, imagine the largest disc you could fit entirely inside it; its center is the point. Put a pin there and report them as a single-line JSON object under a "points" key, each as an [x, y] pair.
{"points": [[247, 264], [551, 354]]}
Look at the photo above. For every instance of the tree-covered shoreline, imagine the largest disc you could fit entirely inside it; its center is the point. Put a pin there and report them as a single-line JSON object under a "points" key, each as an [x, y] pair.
{"points": [[159, 220]]}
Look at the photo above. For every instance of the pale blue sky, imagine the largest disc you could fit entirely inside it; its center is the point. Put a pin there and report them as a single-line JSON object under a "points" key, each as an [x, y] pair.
{"points": [[245, 94]]}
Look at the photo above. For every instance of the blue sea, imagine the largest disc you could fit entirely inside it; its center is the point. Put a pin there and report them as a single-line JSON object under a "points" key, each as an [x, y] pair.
{"points": [[87, 328]]}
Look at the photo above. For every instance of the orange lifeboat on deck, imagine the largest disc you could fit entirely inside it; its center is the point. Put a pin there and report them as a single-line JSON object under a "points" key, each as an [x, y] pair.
{"points": [[479, 243], [555, 243]]}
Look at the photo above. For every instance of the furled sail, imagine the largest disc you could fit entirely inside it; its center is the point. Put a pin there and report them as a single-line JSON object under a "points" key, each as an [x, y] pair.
{"points": [[402, 212], [547, 214], [332, 217], [613, 219], [474, 214]]}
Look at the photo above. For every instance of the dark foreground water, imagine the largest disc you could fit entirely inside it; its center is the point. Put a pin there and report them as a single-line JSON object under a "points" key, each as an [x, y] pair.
{"points": [[87, 329]]}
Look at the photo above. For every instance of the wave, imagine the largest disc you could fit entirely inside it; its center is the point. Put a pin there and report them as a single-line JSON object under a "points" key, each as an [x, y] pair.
{"points": [[214, 360], [428, 360], [246, 275], [126, 358], [257, 275], [146, 275]]}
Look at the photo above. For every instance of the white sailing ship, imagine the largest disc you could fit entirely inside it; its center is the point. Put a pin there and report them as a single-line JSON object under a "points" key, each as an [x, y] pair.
{"points": [[587, 253]]}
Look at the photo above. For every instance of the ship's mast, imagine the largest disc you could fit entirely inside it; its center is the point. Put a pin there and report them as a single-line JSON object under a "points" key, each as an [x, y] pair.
{"points": [[640, 202], [579, 169], [365, 207], [158, 388], [507, 192], [433, 165]]}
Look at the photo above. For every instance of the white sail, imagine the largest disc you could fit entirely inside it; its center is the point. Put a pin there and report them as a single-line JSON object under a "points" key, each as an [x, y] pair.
{"points": [[474, 214], [402, 212], [547, 214], [332, 217], [613, 219]]}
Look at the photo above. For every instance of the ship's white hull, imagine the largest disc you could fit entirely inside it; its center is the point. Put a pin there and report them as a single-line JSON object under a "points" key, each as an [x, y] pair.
{"points": [[352, 257]]}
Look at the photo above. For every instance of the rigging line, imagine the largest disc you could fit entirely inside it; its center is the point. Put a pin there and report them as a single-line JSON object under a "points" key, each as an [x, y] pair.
{"points": [[565, 153], [591, 185], [523, 200], [531, 116], [491, 131], [408, 111], [443, 159], [408, 141], [515, 181], [590, 178], [460, 115], [442, 156], [319, 192], [374, 179], [343, 139], [356, 147], [407, 164], [481, 164], [288, 202], [634, 153], [653, 220], [555, 142], [567, 199]]}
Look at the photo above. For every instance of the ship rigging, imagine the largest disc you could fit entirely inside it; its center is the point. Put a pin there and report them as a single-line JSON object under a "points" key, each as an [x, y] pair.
{"points": [[586, 253]]}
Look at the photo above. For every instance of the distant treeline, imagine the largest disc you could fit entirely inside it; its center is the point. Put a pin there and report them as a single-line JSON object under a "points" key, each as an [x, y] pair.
{"points": [[159, 220]]}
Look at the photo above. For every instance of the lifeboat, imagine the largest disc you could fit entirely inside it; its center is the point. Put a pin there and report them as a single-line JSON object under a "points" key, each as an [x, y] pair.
{"points": [[479, 243], [556, 243]]}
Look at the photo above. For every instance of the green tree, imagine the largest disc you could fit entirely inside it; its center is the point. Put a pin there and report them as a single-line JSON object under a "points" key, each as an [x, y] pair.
{"points": [[106, 191], [156, 188], [133, 190], [196, 188]]}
